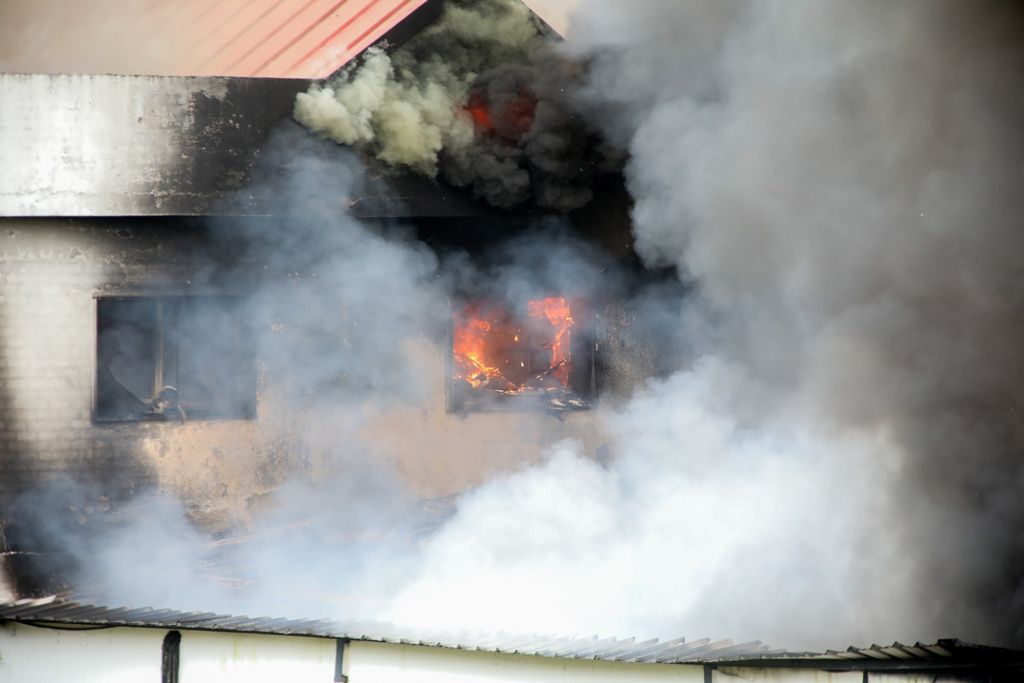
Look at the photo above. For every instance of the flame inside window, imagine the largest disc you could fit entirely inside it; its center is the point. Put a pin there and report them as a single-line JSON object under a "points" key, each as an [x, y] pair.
{"points": [[496, 351], [509, 118]]}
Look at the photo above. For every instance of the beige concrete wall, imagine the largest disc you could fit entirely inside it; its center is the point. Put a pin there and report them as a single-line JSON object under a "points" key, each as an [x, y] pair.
{"points": [[440, 453]]}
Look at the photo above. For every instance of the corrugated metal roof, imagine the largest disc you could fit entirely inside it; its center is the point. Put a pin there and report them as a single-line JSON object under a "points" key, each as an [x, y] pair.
{"points": [[947, 655], [276, 38], [899, 651], [306, 39], [57, 610]]}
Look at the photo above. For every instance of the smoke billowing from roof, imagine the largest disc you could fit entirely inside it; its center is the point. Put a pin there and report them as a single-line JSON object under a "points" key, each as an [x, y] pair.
{"points": [[478, 98]]}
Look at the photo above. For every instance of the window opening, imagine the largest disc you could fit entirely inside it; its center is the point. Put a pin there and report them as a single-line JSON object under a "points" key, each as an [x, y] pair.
{"points": [[539, 354], [172, 358]]}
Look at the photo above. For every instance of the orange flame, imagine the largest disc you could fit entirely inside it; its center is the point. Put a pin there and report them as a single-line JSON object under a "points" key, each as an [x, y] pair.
{"points": [[509, 121], [470, 349], [481, 115], [558, 313], [491, 349]]}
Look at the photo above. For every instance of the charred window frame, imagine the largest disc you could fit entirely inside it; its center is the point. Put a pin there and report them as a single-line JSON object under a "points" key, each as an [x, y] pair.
{"points": [[173, 358]]}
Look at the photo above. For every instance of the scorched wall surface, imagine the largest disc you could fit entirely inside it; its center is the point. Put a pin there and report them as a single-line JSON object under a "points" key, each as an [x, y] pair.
{"points": [[51, 274]]}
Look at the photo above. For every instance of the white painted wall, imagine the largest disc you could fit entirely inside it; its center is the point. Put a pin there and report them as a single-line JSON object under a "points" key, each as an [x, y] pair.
{"points": [[30, 654], [208, 657], [118, 655], [386, 663], [770, 675]]}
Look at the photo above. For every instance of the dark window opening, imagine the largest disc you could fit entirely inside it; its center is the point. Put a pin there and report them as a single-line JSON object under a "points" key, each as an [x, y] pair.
{"points": [[538, 355], [173, 358]]}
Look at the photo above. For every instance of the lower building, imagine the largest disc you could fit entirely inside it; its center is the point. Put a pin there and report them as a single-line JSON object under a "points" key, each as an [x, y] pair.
{"points": [[55, 640]]}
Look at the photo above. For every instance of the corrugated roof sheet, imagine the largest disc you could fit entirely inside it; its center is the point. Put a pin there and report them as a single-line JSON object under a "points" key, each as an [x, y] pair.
{"points": [[899, 651], [276, 38], [307, 39], [56, 610], [949, 656]]}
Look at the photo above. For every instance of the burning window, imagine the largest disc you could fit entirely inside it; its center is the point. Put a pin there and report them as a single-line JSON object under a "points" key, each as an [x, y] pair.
{"points": [[505, 356], [172, 358]]}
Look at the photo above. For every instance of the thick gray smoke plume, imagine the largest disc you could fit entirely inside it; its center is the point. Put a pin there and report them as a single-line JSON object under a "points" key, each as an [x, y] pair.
{"points": [[479, 98], [843, 181], [840, 459], [843, 461]]}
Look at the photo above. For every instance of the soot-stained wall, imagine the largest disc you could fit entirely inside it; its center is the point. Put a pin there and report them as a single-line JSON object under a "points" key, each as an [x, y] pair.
{"points": [[51, 274], [108, 145]]}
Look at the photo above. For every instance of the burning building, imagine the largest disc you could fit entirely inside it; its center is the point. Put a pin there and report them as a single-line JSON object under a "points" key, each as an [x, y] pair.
{"points": [[398, 299]]}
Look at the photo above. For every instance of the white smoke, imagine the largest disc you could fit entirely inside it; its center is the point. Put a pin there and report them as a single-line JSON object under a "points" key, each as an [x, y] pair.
{"points": [[408, 124], [700, 527], [407, 107]]}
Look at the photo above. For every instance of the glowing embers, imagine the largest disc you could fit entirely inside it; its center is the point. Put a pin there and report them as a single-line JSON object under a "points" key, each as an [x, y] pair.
{"points": [[536, 353]]}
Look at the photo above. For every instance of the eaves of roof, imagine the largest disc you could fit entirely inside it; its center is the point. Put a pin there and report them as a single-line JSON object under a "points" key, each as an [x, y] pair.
{"points": [[944, 656], [55, 610]]}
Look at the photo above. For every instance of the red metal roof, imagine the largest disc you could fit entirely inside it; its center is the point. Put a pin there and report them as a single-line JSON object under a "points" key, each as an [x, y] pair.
{"points": [[271, 38]]}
